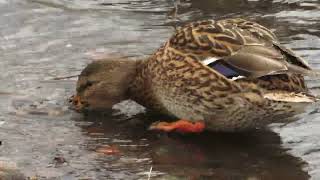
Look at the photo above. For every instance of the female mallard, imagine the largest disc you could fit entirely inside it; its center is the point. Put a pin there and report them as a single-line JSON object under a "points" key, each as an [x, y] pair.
{"points": [[225, 75]]}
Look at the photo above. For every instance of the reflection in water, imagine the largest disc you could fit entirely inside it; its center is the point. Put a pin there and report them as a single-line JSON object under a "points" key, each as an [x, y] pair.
{"points": [[245, 7], [251, 155], [287, 18]]}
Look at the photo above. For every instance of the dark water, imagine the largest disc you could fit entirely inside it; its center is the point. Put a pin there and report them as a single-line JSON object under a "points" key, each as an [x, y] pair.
{"points": [[45, 39]]}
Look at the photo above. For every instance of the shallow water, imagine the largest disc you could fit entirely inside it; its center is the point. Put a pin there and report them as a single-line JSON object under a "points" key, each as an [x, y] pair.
{"points": [[45, 39]]}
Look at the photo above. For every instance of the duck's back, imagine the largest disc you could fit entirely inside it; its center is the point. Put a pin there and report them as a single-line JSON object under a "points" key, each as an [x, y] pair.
{"points": [[246, 47]]}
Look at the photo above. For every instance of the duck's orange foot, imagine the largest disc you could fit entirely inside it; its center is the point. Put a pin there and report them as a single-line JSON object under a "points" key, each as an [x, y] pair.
{"points": [[182, 126]]}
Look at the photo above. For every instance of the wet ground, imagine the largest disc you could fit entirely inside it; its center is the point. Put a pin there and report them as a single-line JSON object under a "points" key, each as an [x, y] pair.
{"points": [[45, 39]]}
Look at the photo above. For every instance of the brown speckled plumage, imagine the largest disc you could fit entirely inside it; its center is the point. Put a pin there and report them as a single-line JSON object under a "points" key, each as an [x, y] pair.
{"points": [[176, 81]]}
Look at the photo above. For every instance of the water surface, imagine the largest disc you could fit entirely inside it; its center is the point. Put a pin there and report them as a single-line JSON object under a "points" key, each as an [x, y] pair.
{"points": [[45, 39]]}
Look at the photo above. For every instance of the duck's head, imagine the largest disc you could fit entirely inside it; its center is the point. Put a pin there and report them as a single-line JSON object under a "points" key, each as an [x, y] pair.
{"points": [[104, 83]]}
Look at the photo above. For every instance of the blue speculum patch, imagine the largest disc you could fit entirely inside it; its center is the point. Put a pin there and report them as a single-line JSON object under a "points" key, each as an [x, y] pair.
{"points": [[223, 69]]}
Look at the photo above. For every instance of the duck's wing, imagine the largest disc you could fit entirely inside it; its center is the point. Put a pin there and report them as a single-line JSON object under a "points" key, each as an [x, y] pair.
{"points": [[244, 47], [257, 61]]}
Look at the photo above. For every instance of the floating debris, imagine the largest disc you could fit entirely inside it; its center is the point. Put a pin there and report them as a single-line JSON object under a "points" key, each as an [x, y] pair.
{"points": [[109, 150]]}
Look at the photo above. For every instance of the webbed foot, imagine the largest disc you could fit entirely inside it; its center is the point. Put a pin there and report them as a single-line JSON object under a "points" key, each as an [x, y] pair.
{"points": [[181, 126]]}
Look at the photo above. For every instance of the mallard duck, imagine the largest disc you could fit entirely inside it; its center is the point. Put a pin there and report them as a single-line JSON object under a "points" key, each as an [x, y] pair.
{"points": [[226, 75]]}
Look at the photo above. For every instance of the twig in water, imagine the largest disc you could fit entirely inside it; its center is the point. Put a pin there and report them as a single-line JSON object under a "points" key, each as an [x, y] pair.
{"points": [[65, 77], [149, 174], [173, 14]]}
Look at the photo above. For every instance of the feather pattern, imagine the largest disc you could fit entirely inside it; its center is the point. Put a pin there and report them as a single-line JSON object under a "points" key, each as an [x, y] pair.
{"points": [[231, 73], [242, 44]]}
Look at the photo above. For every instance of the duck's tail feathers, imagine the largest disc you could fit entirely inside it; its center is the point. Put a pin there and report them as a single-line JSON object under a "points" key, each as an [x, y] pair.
{"points": [[306, 72]]}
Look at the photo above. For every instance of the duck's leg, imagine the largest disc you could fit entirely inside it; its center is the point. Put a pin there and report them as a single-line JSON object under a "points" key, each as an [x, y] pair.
{"points": [[182, 126]]}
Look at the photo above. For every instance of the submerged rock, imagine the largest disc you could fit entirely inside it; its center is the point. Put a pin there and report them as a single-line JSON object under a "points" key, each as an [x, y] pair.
{"points": [[9, 171]]}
